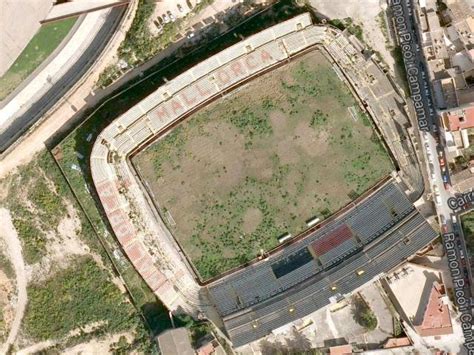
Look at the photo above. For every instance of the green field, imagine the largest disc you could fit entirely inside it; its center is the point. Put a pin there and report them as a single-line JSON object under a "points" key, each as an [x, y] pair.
{"points": [[44, 42], [261, 162]]}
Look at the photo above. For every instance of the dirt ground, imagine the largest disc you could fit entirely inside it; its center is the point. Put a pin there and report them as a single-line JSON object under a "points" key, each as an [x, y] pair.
{"points": [[364, 13], [7, 291], [9, 235], [261, 162]]}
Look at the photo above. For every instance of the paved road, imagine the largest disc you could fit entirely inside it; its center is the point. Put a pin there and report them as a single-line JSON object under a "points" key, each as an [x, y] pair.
{"points": [[437, 171], [61, 86]]}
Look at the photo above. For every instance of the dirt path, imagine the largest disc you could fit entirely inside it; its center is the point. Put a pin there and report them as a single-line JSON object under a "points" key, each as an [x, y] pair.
{"points": [[10, 236]]}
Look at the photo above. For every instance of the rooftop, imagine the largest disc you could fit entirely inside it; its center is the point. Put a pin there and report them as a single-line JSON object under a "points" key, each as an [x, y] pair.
{"points": [[175, 341], [424, 305], [460, 119], [340, 349], [436, 319]]}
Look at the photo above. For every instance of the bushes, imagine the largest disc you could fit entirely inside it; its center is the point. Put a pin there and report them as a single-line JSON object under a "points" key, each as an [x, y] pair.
{"points": [[362, 314], [138, 44], [32, 239], [75, 297], [468, 228]]}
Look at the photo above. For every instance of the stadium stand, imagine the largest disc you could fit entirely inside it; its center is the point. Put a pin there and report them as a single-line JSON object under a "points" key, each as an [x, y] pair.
{"points": [[257, 321]]}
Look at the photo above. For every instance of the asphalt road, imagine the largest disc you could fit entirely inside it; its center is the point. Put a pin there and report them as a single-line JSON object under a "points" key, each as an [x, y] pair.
{"points": [[434, 151], [58, 89]]}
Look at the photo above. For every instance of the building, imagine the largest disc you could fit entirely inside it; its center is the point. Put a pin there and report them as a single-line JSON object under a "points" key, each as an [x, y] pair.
{"points": [[457, 124], [426, 307], [175, 341]]}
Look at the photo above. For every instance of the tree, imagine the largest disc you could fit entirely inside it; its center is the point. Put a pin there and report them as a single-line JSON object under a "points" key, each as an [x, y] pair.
{"points": [[362, 314]]}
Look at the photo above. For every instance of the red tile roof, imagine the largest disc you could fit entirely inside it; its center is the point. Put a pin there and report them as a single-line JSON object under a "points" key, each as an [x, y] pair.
{"points": [[340, 350], [461, 119], [397, 343], [436, 320]]}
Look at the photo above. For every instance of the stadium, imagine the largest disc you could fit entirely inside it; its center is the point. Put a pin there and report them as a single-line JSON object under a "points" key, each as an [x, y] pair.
{"points": [[367, 238]]}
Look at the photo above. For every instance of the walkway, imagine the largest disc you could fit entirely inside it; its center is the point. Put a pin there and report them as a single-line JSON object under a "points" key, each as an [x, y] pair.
{"points": [[10, 235]]}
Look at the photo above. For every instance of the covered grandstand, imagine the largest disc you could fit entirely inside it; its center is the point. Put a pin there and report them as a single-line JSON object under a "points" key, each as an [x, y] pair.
{"points": [[374, 235]]}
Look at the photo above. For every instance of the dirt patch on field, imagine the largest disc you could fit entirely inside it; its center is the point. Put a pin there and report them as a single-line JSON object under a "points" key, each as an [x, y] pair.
{"points": [[252, 218], [279, 121], [313, 142]]}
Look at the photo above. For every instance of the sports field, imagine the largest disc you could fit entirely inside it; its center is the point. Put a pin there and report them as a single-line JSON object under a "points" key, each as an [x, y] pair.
{"points": [[260, 162], [44, 42]]}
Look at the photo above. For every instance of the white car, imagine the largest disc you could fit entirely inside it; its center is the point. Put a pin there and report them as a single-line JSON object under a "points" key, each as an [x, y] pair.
{"points": [[432, 176], [430, 157], [437, 199], [428, 149], [436, 189], [166, 19]]}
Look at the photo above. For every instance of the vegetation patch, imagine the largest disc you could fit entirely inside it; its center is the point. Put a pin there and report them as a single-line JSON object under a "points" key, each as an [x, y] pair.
{"points": [[348, 23], [262, 151], [362, 313], [74, 298], [44, 42], [467, 222]]}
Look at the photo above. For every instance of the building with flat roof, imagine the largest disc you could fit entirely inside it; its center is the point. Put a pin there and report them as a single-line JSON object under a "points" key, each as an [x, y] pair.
{"points": [[175, 341], [457, 125], [425, 308]]}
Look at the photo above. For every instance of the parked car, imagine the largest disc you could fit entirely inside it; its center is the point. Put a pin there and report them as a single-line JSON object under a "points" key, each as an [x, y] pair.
{"points": [[430, 157], [171, 16], [166, 19], [180, 8], [427, 147]]}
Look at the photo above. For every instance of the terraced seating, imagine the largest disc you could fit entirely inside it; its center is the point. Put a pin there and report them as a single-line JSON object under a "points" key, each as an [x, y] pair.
{"points": [[140, 131], [339, 252], [100, 169], [331, 240], [314, 34], [371, 214], [205, 67], [295, 42], [178, 83]]}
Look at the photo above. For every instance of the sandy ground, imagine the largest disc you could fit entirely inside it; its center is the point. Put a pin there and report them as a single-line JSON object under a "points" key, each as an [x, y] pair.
{"points": [[363, 13], [7, 312], [8, 233], [16, 34], [92, 347]]}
